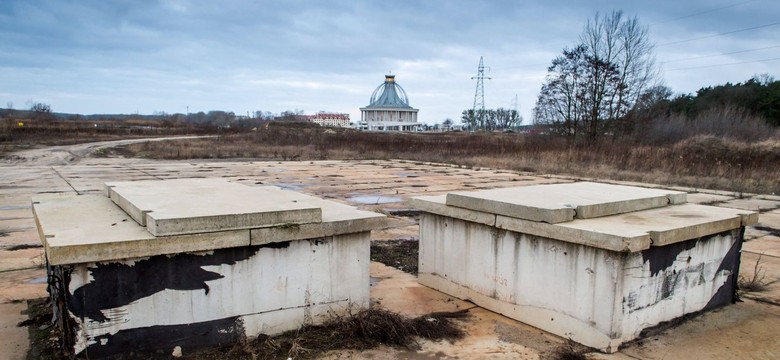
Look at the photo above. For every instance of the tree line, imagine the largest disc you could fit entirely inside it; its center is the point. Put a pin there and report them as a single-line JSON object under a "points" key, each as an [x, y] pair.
{"points": [[490, 119], [609, 84]]}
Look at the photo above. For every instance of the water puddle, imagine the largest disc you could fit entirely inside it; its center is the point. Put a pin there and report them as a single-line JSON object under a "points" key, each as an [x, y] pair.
{"points": [[38, 280], [375, 199], [289, 186], [14, 207]]}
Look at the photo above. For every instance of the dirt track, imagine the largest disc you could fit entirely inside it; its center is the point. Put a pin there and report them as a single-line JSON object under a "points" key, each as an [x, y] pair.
{"points": [[744, 330], [72, 154]]}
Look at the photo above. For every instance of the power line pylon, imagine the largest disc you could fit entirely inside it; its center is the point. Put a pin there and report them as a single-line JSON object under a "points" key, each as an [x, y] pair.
{"points": [[478, 110]]}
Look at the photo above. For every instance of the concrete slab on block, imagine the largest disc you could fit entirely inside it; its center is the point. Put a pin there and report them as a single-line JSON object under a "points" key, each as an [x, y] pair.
{"points": [[337, 219], [706, 198], [752, 204], [189, 206], [101, 231], [559, 203], [621, 239], [670, 224], [438, 205]]}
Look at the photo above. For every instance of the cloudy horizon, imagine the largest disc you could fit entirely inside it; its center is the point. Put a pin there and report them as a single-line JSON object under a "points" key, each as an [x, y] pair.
{"points": [[243, 56]]}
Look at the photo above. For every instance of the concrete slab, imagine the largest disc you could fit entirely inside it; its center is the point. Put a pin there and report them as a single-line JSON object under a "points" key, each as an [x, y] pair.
{"points": [[563, 202], [766, 245], [182, 206], [741, 337], [13, 339], [438, 205], [753, 204], [22, 285], [336, 219], [624, 232], [706, 198], [745, 330], [670, 224], [101, 231]]}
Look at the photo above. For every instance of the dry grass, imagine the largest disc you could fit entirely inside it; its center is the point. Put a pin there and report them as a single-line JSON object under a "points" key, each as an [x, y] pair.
{"points": [[34, 132], [703, 161]]}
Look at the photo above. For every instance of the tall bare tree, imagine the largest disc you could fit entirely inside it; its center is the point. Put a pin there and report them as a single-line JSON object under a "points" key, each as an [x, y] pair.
{"points": [[599, 81]]}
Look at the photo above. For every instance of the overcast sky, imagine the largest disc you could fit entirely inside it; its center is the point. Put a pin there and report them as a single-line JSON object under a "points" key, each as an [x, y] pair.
{"points": [[148, 56]]}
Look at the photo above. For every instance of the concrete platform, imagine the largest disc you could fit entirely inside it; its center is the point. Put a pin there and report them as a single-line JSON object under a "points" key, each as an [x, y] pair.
{"points": [[563, 202], [102, 231], [601, 280], [745, 330], [189, 206], [631, 232]]}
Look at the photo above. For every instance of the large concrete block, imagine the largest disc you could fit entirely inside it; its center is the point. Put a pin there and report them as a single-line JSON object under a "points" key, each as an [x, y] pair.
{"points": [[187, 206], [630, 258], [120, 288], [563, 202]]}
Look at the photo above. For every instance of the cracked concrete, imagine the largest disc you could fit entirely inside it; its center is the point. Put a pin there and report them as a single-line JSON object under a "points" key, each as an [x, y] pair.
{"points": [[745, 330]]}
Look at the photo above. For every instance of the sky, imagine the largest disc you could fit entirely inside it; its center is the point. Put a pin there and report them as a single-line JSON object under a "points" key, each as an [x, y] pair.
{"points": [[175, 56]]}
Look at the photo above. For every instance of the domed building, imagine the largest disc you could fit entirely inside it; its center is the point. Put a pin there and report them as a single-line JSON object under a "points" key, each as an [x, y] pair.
{"points": [[389, 109]]}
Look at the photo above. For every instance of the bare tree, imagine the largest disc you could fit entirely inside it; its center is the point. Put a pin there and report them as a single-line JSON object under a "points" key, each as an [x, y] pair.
{"points": [[599, 81]]}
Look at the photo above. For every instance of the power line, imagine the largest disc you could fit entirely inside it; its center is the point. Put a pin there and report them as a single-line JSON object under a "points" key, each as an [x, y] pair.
{"points": [[478, 111], [720, 34], [701, 13], [718, 65], [728, 53]]}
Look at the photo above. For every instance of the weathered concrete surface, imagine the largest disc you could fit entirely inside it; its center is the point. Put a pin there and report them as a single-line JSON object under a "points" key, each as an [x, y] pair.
{"points": [[623, 232], [105, 232], [563, 202], [725, 331], [12, 341], [189, 206], [160, 302]]}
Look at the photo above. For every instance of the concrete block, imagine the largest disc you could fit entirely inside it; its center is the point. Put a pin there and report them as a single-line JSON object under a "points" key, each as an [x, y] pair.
{"points": [[188, 206], [558, 203], [598, 297], [336, 219], [100, 231], [438, 205], [668, 225]]}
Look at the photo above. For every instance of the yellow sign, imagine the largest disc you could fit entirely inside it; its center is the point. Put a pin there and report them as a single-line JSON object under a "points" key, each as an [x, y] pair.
{"points": [[21, 124]]}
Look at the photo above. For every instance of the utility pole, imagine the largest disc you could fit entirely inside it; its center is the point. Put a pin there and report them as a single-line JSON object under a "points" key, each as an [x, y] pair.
{"points": [[478, 111], [516, 108]]}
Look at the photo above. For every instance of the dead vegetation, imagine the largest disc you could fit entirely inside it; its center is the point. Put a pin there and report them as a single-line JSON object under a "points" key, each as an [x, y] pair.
{"points": [[570, 351], [701, 161], [401, 254], [755, 282], [366, 329]]}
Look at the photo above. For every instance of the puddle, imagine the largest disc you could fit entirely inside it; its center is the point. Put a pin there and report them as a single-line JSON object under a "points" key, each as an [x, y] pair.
{"points": [[14, 207], [289, 186], [38, 280], [374, 199], [374, 280]]}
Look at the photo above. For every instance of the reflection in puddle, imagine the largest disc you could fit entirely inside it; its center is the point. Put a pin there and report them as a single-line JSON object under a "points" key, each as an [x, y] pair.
{"points": [[376, 199], [14, 207], [38, 280]]}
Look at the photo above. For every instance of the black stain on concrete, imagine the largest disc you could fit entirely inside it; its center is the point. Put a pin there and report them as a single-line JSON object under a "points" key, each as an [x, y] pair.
{"points": [[143, 343], [662, 257], [727, 293], [672, 278], [117, 284]]}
